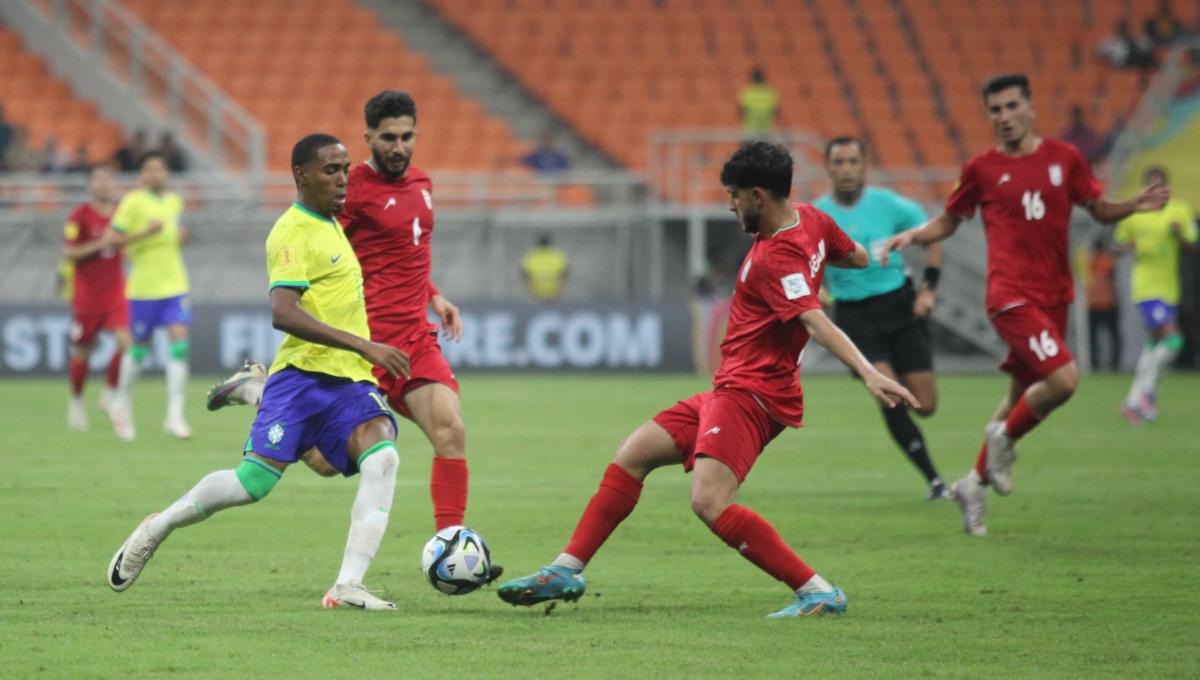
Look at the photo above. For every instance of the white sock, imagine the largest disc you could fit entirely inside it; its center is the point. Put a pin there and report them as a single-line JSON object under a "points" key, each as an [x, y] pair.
{"points": [[125, 379], [177, 376], [816, 584], [1162, 358], [974, 476], [1141, 378], [77, 401], [215, 492], [369, 515], [570, 562]]}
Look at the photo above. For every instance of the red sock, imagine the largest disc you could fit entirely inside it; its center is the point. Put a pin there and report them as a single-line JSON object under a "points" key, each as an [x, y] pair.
{"points": [[448, 487], [981, 463], [746, 532], [1021, 419], [113, 373], [614, 500], [78, 370]]}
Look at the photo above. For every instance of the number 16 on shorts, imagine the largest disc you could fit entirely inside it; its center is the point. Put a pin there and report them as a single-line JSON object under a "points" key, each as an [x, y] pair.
{"points": [[1043, 345]]}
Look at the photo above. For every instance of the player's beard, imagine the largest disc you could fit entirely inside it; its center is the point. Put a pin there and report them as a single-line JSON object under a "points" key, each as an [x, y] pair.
{"points": [[383, 166], [749, 221]]}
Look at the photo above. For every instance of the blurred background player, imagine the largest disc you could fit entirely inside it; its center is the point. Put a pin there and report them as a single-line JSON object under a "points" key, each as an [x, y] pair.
{"points": [[98, 299], [719, 434], [1155, 238], [1103, 313], [877, 306], [1026, 187], [544, 270], [147, 225], [321, 391], [758, 106]]}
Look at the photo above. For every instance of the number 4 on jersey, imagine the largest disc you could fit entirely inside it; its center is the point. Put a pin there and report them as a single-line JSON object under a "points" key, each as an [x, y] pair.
{"points": [[1034, 208]]}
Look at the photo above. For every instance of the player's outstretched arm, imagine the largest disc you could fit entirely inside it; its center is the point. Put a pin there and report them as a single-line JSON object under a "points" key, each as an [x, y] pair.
{"points": [[939, 228], [1152, 197], [883, 388], [288, 316], [81, 251], [856, 260]]}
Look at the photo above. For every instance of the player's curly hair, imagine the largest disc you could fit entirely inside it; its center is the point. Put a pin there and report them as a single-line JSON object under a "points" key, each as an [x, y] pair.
{"points": [[759, 164], [389, 104], [1004, 81], [306, 149]]}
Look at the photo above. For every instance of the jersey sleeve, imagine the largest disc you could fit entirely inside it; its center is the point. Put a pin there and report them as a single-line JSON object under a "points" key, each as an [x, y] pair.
{"points": [[1187, 223], [433, 290], [1082, 187], [910, 212], [126, 214], [787, 286], [965, 196], [838, 244], [287, 263]]}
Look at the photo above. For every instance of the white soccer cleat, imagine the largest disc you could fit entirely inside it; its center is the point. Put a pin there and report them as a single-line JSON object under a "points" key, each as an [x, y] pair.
{"points": [[178, 428], [131, 559], [972, 501], [1000, 458], [241, 388], [108, 397], [355, 596], [121, 416], [76, 415]]}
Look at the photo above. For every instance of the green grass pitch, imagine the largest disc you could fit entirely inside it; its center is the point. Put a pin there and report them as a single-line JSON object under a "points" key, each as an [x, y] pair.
{"points": [[1090, 569]]}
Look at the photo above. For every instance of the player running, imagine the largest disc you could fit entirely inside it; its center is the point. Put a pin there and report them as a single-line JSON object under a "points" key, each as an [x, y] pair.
{"points": [[756, 392], [389, 220], [1026, 187], [320, 390], [147, 225], [877, 306], [98, 302], [1155, 239]]}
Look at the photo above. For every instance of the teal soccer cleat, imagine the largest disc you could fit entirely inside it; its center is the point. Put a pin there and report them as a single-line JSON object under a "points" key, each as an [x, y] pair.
{"points": [[813, 604], [549, 583]]}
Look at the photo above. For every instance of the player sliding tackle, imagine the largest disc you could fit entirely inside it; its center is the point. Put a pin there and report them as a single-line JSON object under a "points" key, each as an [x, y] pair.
{"points": [[1026, 187], [756, 393], [320, 390]]}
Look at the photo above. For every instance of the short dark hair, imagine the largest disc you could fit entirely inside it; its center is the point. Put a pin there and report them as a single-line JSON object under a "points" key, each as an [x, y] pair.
{"points": [[1004, 81], [845, 139], [389, 104], [151, 155], [759, 164], [1156, 170], [306, 149]]}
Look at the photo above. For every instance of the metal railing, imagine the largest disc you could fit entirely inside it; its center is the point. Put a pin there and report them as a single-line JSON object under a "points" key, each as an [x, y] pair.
{"points": [[225, 134]]}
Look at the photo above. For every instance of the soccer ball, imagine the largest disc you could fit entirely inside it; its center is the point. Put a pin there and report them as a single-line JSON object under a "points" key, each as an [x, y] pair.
{"points": [[456, 561]]}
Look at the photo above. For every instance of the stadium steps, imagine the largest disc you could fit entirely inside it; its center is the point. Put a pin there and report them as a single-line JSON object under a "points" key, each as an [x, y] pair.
{"points": [[480, 77], [47, 107]]}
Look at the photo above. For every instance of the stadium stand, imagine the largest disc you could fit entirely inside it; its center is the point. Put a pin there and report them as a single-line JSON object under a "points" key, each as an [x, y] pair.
{"points": [[46, 107], [271, 57], [903, 73]]}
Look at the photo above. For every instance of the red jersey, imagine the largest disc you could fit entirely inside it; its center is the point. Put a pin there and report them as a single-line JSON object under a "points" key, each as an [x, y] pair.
{"points": [[390, 225], [99, 279], [779, 280], [1026, 204]]}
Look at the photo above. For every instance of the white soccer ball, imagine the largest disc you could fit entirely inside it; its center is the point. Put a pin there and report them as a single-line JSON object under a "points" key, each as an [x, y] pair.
{"points": [[456, 560]]}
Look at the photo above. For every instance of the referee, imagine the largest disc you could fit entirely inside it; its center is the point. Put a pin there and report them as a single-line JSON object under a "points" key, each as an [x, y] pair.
{"points": [[877, 306]]}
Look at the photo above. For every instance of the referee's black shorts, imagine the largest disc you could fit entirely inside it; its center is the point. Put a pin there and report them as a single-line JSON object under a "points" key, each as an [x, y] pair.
{"points": [[885, 329]]}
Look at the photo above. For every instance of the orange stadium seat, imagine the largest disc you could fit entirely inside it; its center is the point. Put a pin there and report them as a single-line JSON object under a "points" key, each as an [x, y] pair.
{"points": [[261, 53]]}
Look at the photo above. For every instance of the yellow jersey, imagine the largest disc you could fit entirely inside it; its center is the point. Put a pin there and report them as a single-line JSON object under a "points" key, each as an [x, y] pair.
{"points": [[759, 104], [311, 253], [156, 261], [1156, 249], [545, 270]]}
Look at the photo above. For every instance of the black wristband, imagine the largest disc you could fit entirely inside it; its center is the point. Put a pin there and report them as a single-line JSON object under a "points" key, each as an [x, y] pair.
{"points": [[932, 275]]}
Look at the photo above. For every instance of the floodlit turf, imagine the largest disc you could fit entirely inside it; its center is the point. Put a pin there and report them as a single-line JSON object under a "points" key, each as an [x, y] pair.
{"points": [[1090, 569]]}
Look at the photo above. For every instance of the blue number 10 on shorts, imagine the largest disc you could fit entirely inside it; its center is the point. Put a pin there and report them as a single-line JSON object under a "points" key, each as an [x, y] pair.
{"points": [[301, 410]]}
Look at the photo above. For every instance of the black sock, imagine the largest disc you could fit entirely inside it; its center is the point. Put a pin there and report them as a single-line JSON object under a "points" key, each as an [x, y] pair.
{"points": [[908, 436]]}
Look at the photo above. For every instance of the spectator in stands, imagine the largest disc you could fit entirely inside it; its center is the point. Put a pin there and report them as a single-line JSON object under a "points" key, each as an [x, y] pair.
{"points": [[544, 269], [21, 157], [128, 157], [7, 132], [1103, 317], [1163, 28], [173, 154], [1083, 137], [54, 159], [758, 106], [81, 161], [1125, 50], [545, 157]]}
